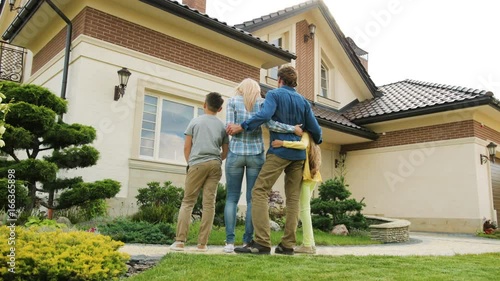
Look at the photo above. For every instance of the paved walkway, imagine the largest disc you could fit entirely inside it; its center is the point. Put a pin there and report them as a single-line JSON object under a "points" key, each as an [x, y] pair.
{"points": [[420, 244]]}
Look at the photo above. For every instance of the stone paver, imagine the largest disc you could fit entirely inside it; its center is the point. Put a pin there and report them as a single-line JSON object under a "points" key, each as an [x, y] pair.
{"points": [[421, 244]]}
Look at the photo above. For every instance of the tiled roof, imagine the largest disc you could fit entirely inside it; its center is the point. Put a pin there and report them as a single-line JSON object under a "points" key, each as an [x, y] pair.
{"points": [[279, 15], [404, 98], [173, 7], [333, 116]]}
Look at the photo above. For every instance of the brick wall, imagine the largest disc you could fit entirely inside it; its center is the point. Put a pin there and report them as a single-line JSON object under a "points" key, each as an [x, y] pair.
{"points": [[448, 131], [305, 61], [103, 26]]}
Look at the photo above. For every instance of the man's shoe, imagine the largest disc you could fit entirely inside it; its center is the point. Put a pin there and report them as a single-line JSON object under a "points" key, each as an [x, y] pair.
{"points": [[253, 248], [305, 250], [280, 249]]}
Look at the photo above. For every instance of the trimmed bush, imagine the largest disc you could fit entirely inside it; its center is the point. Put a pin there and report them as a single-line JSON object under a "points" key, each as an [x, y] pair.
{"points": [[138, 232], [59, 255]]}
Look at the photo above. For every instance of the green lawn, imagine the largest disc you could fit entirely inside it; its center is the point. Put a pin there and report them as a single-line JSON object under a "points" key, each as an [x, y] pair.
{"points": [[181, 266], [218, 236]]}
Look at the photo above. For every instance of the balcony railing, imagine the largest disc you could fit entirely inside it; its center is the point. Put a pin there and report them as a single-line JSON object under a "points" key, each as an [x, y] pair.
{"points": [[11, 62]]}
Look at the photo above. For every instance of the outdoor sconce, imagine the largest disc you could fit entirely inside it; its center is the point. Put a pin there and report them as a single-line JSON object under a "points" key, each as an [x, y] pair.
{"points": [[12, 3], [312, 31], [491, 151], [123, 75]]}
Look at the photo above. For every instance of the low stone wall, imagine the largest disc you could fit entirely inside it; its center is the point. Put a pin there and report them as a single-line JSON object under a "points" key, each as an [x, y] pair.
{"points": [[389, 230]]}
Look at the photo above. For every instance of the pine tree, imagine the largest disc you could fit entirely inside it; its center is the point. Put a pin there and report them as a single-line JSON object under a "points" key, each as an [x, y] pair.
{"points": [[32, 129]]}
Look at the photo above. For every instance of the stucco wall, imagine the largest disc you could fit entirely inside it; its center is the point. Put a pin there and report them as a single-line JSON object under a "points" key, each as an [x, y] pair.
{"points": [[438, 186]]}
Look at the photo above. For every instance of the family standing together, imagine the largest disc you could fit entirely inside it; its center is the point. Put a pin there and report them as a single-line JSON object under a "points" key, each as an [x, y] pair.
{"points": [[294, 134]]}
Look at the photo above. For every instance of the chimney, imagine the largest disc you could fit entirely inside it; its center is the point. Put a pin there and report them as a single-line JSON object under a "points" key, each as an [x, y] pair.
{"points": [[200, 5], [362, 54]]}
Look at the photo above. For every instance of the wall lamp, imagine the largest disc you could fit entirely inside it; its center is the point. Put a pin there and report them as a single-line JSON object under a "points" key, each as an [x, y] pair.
{"points": [[491, 151], [312, 31], [12, 3], [123, 75]]}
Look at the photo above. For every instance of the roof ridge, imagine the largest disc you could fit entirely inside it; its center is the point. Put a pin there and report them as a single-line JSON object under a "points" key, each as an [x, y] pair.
{"points": [[287, 9], [445, 86]]}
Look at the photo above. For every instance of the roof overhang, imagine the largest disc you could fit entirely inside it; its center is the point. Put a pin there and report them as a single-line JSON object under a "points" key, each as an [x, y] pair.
{"points": [[484, 100], [221, 28], [27, 24]]}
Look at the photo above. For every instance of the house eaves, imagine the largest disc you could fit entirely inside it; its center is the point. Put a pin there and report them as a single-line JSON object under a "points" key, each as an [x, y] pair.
{"points": [[214, 24], [332, 119], [174, 8], [272, 18], [24, 15], [410, 98]]}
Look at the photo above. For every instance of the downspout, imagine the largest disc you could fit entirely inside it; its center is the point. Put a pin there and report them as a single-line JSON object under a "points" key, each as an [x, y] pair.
{"points": [[69, 32]]}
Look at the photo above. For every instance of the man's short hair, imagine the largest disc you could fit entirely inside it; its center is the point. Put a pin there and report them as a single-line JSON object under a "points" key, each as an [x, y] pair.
{"points": [[288, 75], [214, 101]]}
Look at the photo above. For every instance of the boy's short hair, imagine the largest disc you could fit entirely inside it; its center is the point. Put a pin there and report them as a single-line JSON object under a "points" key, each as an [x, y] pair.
{"points": [[288, 75], [214, 101]]}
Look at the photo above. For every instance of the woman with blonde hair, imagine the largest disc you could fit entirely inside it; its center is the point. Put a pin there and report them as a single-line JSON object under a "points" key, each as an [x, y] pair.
{"points": [[246, 156], [311, 177]]}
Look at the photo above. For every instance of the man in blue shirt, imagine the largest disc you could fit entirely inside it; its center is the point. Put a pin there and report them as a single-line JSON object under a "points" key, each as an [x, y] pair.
{"points": [[286, 106]]}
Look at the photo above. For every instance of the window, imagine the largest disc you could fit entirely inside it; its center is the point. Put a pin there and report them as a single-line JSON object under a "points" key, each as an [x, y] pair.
{"points": [[163, 125], [324, 80], [273, 72]]}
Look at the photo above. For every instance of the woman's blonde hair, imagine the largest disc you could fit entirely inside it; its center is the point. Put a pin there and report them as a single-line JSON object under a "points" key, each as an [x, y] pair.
{"points": [[250, 90], [314, 156]]}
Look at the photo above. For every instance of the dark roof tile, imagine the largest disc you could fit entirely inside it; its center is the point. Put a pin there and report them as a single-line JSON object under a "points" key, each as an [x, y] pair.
{"points": [[410, 95]]}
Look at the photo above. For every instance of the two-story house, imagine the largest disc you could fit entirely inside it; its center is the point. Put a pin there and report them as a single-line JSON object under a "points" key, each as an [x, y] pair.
{"points": [[413, 148]]}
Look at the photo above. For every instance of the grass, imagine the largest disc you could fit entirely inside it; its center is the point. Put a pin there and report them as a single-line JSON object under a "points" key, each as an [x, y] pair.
{"points": [[180, 266], [494, 235], [218, 236]]}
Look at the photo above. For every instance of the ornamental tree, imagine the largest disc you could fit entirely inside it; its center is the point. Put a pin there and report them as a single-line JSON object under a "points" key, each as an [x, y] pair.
{"points": [[40, 145]]}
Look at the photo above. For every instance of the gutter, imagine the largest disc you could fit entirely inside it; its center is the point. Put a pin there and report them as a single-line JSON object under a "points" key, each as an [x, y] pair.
{"points": [[486, 100], [348, 130]]}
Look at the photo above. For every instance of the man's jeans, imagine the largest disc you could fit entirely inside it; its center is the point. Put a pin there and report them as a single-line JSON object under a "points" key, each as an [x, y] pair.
{"points": [[235, 168]]}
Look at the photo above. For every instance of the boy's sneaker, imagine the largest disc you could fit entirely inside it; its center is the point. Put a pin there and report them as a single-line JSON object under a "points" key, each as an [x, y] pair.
{"points": [[253, 248], [305, 250], [280, 249], [177, 246], [229, 248], [201, 248]]}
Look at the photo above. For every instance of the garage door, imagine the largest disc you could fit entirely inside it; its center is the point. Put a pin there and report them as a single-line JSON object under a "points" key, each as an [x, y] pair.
{"points": [[495, 178]]}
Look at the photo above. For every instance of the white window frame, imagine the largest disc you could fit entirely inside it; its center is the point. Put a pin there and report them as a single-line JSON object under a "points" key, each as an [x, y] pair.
{"points": [[324, 90], [197, 109], [278, 41]]}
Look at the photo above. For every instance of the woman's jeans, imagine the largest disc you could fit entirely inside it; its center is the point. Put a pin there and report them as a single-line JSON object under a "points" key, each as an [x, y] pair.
{"points": [[235, 168]]}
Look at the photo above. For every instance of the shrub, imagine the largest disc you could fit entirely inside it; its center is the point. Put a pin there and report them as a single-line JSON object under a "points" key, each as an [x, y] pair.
{"points": [[36, 221], [21, 196], [158, 203], [59, 255], [333, 207], [85, 212], [138, 232]]}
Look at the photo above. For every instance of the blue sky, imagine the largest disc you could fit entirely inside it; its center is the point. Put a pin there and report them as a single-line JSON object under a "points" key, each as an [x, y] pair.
{"points": [[447, 42]]}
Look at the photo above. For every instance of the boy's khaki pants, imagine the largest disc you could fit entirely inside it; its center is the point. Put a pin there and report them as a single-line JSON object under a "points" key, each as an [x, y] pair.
{"points": [[204, 176]]}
